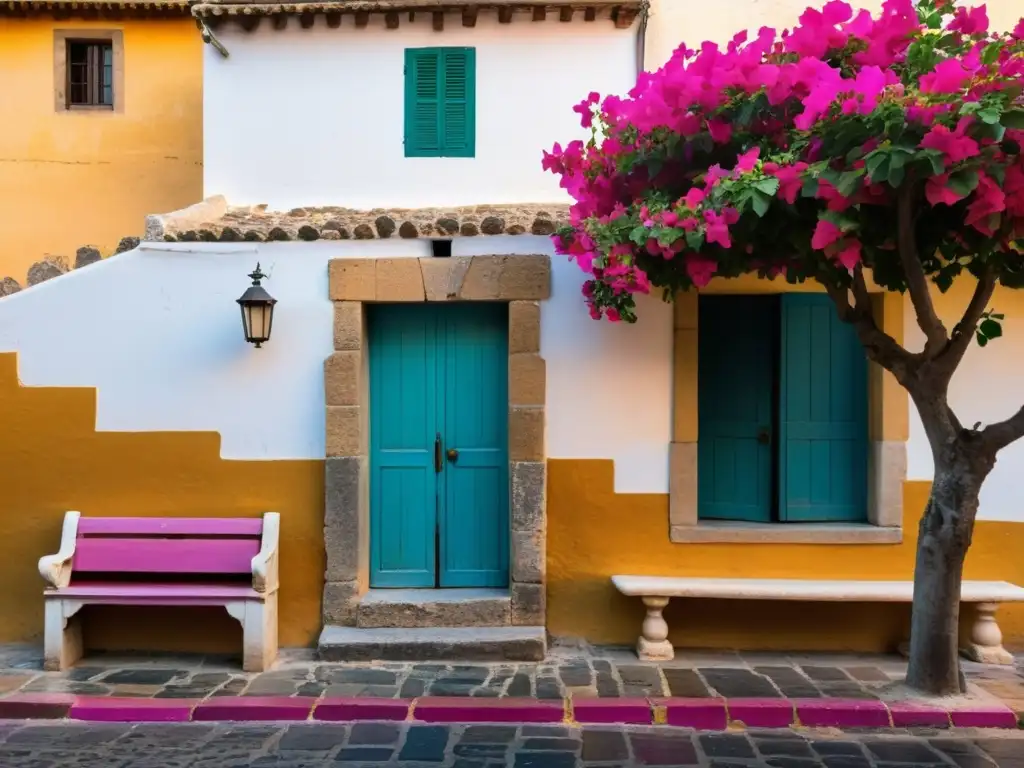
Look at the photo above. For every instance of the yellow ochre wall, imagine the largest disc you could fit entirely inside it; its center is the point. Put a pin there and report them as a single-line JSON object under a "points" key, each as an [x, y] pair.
{"points": [[52, 459], [594, 533], [69, 179]]}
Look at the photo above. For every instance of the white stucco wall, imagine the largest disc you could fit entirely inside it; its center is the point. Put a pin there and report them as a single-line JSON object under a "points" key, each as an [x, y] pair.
{"points": [[158, 333], [988, 387], [315, 116]]}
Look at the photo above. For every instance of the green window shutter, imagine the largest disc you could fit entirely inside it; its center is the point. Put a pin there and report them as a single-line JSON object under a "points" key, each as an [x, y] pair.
{"points": [[440, 102]]}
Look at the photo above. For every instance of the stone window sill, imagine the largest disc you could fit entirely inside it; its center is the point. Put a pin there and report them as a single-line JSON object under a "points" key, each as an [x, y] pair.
{"points": [[726, 532]]}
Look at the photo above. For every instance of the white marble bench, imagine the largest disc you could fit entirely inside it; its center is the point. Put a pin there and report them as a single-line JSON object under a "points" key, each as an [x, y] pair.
{"points": [[986, 644]]}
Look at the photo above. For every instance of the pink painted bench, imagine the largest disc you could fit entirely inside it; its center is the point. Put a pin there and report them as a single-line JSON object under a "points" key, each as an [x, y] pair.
{"points": [[183, 561]]}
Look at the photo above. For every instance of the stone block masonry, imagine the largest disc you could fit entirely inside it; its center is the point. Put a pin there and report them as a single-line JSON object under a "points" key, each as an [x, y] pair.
{"points": [[521, 281]]}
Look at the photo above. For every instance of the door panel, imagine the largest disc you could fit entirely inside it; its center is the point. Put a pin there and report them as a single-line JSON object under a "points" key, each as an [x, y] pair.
{"points": [[823, 414], [403, 483], [439, 370], [736, 343], [474, 519]]}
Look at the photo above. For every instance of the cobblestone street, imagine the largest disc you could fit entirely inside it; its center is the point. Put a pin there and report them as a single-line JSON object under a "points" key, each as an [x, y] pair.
{"points": [[599, 672], [71, 745]]}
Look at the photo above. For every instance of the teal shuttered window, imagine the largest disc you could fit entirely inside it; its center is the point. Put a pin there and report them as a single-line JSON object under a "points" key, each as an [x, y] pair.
{"points": [[440, 102]]}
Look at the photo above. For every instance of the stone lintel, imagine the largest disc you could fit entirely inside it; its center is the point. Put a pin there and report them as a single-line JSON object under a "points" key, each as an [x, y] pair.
{"points": [[469, 278]]}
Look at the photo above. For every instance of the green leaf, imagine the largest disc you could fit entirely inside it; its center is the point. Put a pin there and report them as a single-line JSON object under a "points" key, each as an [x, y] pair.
{"points": [[1013, 118], [982, 340], [761, 202], [849, 182], [810, 188], [769, 185], [694, 240], [989, 115], [877, 166], [963, 182], [896, 175], [990, 329], [936, 159]]}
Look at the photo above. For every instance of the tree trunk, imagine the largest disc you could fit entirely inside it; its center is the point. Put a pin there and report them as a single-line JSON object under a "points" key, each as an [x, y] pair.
{"points": [[943, 538]]}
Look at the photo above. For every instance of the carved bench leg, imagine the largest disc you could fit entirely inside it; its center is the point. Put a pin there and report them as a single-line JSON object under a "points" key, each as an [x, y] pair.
{"points": [[259, 632], [62, 635], [986, 638], [653, 644]]}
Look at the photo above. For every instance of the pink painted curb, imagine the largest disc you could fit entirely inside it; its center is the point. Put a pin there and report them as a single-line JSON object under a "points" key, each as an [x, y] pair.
{"points": [[611, 711], [256, 708], [984, 716], [131, 710], [702, 714], [910, 714], [842, 713], [762, 713], [344, 710], [462, 709]]}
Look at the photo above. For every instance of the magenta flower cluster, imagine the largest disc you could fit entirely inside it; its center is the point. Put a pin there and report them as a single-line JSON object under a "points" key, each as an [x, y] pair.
{"points": [[786, 154]]}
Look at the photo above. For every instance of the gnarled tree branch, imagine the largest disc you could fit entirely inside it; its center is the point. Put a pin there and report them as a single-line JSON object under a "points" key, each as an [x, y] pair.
{"points": [[999, 435], [917, 284], [879, 346], [950, 357]]}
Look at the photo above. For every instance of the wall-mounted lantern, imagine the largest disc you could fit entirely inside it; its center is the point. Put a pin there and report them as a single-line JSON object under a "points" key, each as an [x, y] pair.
{"points": [[257, 310]]}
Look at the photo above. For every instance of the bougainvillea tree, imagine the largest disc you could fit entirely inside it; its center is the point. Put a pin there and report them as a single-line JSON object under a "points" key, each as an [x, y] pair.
{"points": [[858, 151]]}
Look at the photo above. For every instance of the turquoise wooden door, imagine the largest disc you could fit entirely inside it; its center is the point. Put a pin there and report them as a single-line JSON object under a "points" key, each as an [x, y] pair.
{"points": [[823, 414], [474, 516], [735, 392], [438, 445]]}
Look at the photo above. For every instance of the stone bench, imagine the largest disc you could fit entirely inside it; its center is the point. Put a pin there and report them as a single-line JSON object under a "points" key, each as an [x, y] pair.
{"points": [[986, 644], [176, 561]]}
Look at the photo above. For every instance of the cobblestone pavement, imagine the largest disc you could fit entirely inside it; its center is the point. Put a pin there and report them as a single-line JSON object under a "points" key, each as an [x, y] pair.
{"points": [[484, 746], [579, 672]]}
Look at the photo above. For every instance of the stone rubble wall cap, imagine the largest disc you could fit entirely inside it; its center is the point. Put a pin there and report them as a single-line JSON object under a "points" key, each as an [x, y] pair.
{"points": [[213, 220]]}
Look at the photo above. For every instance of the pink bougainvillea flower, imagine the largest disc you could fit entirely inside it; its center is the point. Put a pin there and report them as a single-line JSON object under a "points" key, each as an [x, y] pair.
{"points": [[970, 21], [585, 109], [949, 76], [955, 144], [868, 85], [693, 197], [720, 131], [748, 160], [1018, 31], [989, 199], [790, 180], [937, 191], [849, 253], [716, 229], [825, 234], [700, 269]]}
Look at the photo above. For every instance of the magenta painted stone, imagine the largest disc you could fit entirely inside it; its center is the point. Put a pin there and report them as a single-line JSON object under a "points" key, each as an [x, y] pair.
{"points": [[704, 714], [235, 708], [762, 713], [36, 706], [104, 709], [636, 711], [984, 716], [463, 709], [909, 714], [842, 713], [344, 710]]}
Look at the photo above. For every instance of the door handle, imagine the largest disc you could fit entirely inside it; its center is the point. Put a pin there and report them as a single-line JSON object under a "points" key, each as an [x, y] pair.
{"points": [[763, 436], [453, 455], [438, 461]]}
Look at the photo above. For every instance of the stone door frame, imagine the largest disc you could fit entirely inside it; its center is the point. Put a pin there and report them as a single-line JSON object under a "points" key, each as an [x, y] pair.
{"points": [[521, 282]]}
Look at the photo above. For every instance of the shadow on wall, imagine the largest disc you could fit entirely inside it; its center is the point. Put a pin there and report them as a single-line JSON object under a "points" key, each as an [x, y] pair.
{"points": [[55, 266], [53, 460], [594, 533]]}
